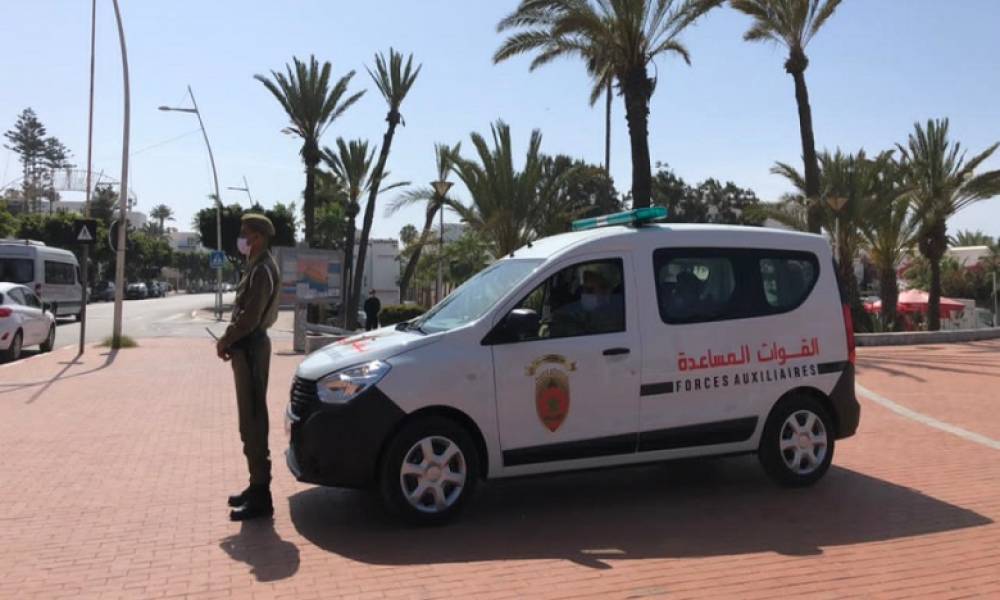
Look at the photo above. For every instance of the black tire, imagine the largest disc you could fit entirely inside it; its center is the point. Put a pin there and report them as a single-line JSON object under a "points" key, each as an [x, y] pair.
{"points": [[403, 446], [13, 352], [50, 341], [803, 460]]}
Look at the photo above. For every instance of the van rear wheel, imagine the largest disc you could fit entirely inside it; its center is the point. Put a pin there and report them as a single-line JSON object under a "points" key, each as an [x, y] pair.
{"points": [[796, 448], [428, 471]]}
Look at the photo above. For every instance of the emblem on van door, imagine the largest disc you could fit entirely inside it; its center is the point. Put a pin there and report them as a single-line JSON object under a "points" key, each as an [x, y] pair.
{"points": [[552, 397]]}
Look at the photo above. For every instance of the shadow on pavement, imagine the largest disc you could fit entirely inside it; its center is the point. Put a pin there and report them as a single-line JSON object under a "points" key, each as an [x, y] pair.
{"points": [[259, 545], [6, 388], [674, 510]]}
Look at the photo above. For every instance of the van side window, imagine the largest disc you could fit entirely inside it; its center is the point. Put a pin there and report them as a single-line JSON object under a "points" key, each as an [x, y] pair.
{"points": [[698, 285], [693, 288], [584, 299], [786, 281], [59, 273]]}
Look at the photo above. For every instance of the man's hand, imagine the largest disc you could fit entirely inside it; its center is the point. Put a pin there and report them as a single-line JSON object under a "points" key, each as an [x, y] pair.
{"points": [[222, 351]]}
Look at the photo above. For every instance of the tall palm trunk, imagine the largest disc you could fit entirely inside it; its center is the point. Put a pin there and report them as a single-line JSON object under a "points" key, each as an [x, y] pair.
{"points": [[637, 90], [845, 264], [607, 131], [933, 244], [309, 201], [796, 67], [934, 297], [348, 260], [889, 292], [411, 265], [366, 226]]}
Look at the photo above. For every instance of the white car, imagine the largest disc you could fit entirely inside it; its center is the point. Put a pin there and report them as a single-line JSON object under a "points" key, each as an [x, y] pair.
{"points": [[23, 322], [610, 345]]}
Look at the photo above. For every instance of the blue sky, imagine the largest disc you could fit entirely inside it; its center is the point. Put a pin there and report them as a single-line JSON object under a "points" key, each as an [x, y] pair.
{"points": [[878, 66]]}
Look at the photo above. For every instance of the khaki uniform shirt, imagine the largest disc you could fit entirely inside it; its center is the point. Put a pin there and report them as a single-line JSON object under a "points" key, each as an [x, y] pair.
{"points": [[256, 307]]}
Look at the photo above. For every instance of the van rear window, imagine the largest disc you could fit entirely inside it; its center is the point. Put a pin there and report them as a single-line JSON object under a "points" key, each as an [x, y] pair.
{"points": [[699, 285], [17, 270]]}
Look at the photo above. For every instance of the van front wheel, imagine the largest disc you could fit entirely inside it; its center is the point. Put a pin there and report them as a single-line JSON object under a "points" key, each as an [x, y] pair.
{"points": [[428, 471], [796, 448]]}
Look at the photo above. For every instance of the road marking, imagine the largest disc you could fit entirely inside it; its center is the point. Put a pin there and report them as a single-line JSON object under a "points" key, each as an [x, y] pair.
{"points": [[929, 421]]}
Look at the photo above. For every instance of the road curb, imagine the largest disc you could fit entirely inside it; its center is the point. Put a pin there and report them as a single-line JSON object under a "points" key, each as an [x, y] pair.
{"points": [[909, 338]]}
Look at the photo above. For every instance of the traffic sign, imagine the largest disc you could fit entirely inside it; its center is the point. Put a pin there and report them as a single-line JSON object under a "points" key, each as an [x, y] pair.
{"points": [[85, 231], [217, 259]]}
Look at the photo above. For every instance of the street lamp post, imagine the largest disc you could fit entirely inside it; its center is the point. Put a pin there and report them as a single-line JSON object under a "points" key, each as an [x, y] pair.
{"points": [[218, 197], [836, 203], [116, 331], [441, 189], [245, 188]]}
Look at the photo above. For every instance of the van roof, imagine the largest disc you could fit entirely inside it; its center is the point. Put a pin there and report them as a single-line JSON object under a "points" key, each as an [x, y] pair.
{"points": [[691, 233]]}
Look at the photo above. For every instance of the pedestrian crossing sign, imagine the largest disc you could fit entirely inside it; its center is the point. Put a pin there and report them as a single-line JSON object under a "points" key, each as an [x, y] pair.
{"points": [[85, 231]]}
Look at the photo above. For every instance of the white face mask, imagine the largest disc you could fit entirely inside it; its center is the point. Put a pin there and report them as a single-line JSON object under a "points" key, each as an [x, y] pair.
{"points": [[243, 246]]}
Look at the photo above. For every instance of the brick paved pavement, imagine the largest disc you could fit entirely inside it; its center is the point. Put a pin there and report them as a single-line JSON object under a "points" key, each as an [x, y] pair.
{"points": [[114, 474]]}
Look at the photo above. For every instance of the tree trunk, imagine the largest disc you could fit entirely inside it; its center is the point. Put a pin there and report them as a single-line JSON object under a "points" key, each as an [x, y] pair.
{"points": [[637, 89], [934, 296], [366, 227], [845, 263], [796, 66], [308, 202], [411, 265], [889, 292], [345, 292], [607, 132]]}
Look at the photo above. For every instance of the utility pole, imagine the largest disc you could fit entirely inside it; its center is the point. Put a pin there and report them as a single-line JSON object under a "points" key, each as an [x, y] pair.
{"points": [[86, 205], [123, 191], [441, 189]]}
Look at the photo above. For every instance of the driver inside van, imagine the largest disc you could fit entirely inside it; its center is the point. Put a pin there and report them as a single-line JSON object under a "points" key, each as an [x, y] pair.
{"points": [[686, 296], [596, 311]]}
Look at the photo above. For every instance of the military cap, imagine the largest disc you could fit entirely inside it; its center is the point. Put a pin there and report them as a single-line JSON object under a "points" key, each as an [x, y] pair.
{"points": [[259, 223]]}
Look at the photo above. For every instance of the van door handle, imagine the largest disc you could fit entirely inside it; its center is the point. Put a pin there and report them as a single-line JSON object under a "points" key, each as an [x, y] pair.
{"points": [[615, 351]]}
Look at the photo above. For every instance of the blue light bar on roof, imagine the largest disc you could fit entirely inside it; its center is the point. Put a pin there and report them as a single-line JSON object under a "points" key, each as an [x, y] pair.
{"points": [[637, 216]]}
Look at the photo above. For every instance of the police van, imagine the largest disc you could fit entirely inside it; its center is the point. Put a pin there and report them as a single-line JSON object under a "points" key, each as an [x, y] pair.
{"points": [[52, 273], [624, 341]]}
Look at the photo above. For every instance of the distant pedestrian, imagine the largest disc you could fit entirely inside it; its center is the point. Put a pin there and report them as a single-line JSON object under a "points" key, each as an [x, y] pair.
{"points": [[373, 306], [246, 344]]}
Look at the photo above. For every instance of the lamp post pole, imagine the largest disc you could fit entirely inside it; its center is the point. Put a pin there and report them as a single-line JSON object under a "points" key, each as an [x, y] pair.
{"points": [[217, 197], [116, 331], [245, 188], [441, 189]]}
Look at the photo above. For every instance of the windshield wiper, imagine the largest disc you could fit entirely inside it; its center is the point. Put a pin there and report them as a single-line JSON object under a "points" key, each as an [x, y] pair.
{"points": [[409, 326]]}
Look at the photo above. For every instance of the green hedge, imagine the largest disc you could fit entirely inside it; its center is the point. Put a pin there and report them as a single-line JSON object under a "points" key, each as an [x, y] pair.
{"points": [[397, 313]]}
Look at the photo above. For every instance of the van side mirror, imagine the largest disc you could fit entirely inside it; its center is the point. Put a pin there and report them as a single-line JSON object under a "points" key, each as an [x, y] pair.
{"points": [[520, 324]]}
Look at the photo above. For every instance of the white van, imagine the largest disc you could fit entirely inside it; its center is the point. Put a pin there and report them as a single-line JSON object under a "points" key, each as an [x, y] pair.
{"points": [[52, 273], [611, 345]]}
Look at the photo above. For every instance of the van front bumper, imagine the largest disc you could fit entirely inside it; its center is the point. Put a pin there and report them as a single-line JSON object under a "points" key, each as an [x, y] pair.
{"points": [[339, 445]]}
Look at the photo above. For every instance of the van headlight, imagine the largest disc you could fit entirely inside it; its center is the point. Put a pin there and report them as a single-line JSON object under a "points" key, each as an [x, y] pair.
{"points": [[343, 386]]}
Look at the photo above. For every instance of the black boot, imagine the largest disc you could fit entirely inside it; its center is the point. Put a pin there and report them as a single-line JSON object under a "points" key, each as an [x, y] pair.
{"points": [[258, 504], [240, 499]]}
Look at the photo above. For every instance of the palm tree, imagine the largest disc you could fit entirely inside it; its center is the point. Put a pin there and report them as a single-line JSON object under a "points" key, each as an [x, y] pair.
{"points": [[971, 238], [617, 40], [943, 183], [394, 81], [161, 212], [507, 205], [888, 231], [311, 104], [794, 23], [848, 178], [433, 203]]}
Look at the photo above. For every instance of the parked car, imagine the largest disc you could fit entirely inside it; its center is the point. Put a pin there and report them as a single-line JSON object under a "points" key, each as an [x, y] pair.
{"points": [[623, 342], [23, 322], [154, 290], [53, 274], [104, 291], [136, 291]]}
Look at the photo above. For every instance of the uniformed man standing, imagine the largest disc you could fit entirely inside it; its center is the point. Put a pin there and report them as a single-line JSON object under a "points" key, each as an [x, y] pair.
{"points": [[246, 344]]}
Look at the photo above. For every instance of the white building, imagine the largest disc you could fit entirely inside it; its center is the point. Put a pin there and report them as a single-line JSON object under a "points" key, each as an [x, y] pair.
{"points": [[382, 270], [185, 241], [968, 256], [135, 218]]}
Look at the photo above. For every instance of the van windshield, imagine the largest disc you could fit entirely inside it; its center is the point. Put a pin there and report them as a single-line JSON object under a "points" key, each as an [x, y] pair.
{"points": [[17, 270], [476, 296]]}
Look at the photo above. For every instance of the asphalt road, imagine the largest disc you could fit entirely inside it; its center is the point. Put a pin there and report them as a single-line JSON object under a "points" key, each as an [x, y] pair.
{"points": [[180, 315]]}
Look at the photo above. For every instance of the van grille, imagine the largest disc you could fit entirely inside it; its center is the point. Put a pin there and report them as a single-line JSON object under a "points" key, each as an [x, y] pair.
{"points": [[304, 395]]}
